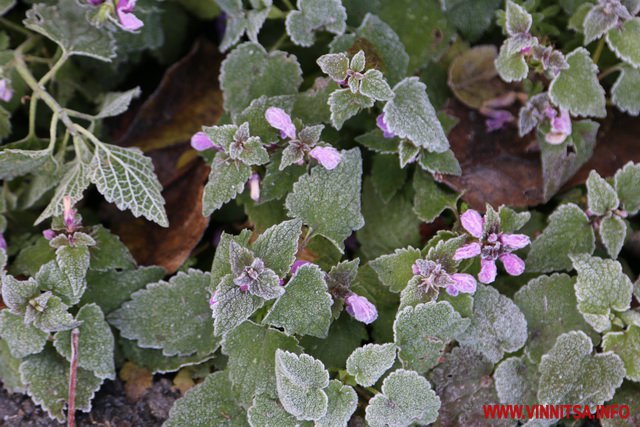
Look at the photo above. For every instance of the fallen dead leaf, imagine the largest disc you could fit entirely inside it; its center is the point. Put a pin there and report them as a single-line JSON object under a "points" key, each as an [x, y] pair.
{"points": [[137, 380], [183, 381]]}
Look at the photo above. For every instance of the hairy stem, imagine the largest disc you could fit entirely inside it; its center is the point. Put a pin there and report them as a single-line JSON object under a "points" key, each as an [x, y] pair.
{"points": [[71, 413], [52, 72]]}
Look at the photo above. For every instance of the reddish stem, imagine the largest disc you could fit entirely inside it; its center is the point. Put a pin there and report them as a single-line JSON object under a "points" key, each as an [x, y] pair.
{"points": [[71, 413]]}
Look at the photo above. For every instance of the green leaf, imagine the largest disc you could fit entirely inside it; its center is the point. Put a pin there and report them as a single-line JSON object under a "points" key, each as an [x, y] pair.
{"points": [[300, 382], [471, 19], [597, 22], [67, 25], [512, 67], [277, 183], [431, 200], [577, 88], [266, 411], [22, 339], [570, 373], [305, 307], [627, 180], [368, 363], [613, 232], [116, 103], [109, 252], [278, 245], [21, 158], [406, 398], [628, 394], [387, 176], [154, 360], [46, 376], [233, 306], [626, 345], [49, 313], [221, 265], [249, 72], [410, 115], [17, 294], [511, 221], [254, 115], [518, 20], [173, 316], [312, 16], [328, 201], [444, 163], [545, 298], [550, 251], [95, 343], [124, 176], [394, 270], [422, 333], [335, 65], [10, 370], [623, 42], [374, 85], [516, 380], [210, 403], [600, 288], [252, 353], [72, 262], [343, 402], [344, 104], [73, 184], [601, 195], [625, 92], [497, 325], [226, 180]]}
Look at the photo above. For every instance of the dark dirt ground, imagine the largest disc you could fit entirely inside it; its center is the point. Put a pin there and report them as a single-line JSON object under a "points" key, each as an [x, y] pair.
{"points": [[110, 408]]}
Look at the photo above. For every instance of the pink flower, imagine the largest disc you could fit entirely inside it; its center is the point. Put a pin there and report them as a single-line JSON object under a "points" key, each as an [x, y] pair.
{"points": [[6, 93], [463, 282], [497, 119], [560, 128], [69, 215], [49, 234], [128, 20], [280, 120], [3, 242], [432, 276], [200, 141], [492, 245], [213, 300], [360, 308], [328, 157], [254, 187], [297, 264], [95, 2], [383, 126]]}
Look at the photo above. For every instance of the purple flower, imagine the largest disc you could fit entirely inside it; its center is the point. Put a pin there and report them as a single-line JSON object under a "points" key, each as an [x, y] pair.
{"points": [[213, 300], [128, 20], [69, 215], [360, 308], [254, 187], [383, 126], [250, 275], [95, 2], [497, 119], [6, 93], [3, 242], [200, 141], [280, 120], [432, 276], [297, 264], [49, 234], [560, 127], [492, 245], [328, 157]]}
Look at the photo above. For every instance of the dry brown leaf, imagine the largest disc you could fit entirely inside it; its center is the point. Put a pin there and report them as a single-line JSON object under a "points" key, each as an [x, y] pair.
{"points": [[137, 380]]}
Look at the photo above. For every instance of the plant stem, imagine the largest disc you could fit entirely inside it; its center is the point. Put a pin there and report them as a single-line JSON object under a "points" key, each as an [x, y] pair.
{"points": [[71, 413], [52, 72], [13, 26], [279, 42], [609, 71], [598, 51], [288, 4]]}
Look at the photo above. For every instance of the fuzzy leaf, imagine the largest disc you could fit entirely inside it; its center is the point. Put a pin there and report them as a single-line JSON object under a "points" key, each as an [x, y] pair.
{"points": [[254, 115], [394, 270], [511, 221], [516, 380], [153, 359], [73, 184], [173, 316], [328, 201], [375, 86], [66, 24], [22, 339], [368, 363], [251, 349], [406, 398], [570, 373], [512, 67], [518, 20], [430, 200], [344, 104], [600, 288], [16, 294], [210, 403], [233, 307], [125, 177], [116, 103], [623, 42], [613, 231], [343, 402], [109, 253], [577, 88], [73, 263], [626, 345], [266, 411], [422, 333], [221, 264], [249, 72], [305, 307], [545, 298], [387, 176], [20, 159], [601, 195], [628, 394], [627, 181], [50, 315], [313, 15], [300, 382], [497, 325], [410, 115], [278, 245], [95, 343], [10, 370], [226, 180], [46, 375], [550, 251], [596, 23], [625, 93]]}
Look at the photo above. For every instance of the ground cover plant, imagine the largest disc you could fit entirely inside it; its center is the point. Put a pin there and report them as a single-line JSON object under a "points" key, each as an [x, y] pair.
{"points": [[325, 213]]}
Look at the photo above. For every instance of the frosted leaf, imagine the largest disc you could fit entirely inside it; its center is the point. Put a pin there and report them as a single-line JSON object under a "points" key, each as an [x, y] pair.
{"points": [[314, 15], [430, 200], [628, 394], [368, 363], [601, 195], [125, 176], [300, 382], [518, 20], [623, 42], [626, 345], [305, 307], [497, 325], [221, 265], [335, 65], [328, 201], [278, 245], [226, 180], [627, 180], [48, 313], [343, 402], [254, 114], [570, 373], [267, 412], [550, 251], [406, 398], [233, 306], [422, 333], [613, 232], [545, 298], [251, 349], [16, 294], [511, 221], [577, 88], [375, 86], [154, 360], [516, 380], [116, 103], [344, 104], [600, 288], [210, 403], [10, 370], [394, 270], [173, 316], [73, 262], [597, 23], [95, 343], [240, 20], [21, 339], [512, 67], [73, 183], [625, 92], [410, 115], [20, 159]]}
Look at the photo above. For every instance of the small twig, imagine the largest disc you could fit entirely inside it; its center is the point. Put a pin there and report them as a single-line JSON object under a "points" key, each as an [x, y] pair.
{"points": [[71, 413]]}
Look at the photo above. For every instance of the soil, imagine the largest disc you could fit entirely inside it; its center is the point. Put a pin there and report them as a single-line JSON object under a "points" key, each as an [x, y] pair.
{"points": [[111, 408]]}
